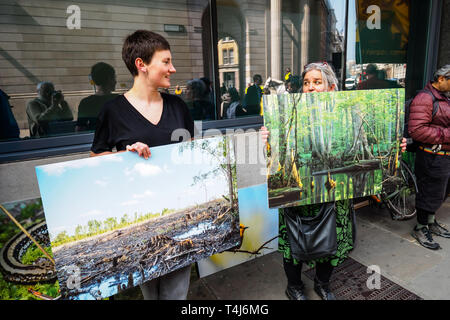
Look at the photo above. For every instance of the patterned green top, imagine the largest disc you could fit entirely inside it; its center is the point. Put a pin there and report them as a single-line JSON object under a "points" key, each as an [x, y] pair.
{"points": [[344, 229]]}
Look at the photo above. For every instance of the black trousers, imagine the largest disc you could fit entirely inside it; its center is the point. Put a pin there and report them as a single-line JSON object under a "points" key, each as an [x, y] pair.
{"points": [[433, 181], [294, 272]]}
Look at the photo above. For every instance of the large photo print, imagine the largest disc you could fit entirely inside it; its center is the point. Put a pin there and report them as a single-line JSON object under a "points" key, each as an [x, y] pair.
{"points": [[119, 220], [331, 146]]}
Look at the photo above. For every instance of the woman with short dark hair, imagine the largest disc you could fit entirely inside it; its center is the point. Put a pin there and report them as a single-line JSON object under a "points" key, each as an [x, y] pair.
{"points": [[142, 118]]}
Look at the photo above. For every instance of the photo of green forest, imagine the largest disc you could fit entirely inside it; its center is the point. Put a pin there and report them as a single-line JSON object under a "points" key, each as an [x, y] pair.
{"points": [[331, 146]]}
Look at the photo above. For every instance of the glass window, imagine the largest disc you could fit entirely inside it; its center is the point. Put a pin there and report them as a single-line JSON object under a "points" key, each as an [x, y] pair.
{"points": [[60, 62], [231, 55], [275, 39], [226, 55], [378, 34]]}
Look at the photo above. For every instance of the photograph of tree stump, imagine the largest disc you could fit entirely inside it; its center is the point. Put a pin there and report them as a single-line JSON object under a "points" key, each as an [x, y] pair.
{"points": [[331, 146], [119, 220]]}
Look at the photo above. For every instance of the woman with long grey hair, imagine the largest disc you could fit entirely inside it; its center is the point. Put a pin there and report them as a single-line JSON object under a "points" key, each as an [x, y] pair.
{"points": [[316, 77]]}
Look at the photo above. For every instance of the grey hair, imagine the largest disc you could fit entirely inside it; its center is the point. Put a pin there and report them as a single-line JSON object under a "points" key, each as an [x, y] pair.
{"points": [[328, 75], [443, 71]]}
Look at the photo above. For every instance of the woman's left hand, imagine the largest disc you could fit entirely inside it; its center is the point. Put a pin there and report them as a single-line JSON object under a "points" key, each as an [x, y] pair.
{"points": [[141, 148], [403, 144]]}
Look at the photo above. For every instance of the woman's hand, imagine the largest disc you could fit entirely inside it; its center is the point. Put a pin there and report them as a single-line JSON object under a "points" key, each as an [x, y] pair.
{"points": [[264, 134], [141, 148], [403, 144]]}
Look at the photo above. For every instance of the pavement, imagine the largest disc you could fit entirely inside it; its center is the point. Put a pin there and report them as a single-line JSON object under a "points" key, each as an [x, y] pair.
{"points": [[380, 241]]}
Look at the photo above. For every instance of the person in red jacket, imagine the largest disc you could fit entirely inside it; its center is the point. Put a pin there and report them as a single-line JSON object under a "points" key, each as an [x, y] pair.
{"points": [[432, 167]]}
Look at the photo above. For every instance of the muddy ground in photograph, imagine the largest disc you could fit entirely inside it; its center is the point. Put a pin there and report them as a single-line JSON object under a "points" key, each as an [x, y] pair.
{"points": [[120, 259]]}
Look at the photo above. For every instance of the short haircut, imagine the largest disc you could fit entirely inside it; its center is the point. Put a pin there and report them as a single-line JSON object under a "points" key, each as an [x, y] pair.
{"points": [[371, 69], [256, 77], [142, 44], [442, 72], [101, 73]]}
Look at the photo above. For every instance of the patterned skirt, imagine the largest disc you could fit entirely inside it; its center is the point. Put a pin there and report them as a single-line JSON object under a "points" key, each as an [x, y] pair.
{"points": [[344, 228]]}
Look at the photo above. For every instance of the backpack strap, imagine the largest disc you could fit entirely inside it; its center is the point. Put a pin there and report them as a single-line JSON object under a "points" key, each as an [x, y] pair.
{"points": [[435, 102]]}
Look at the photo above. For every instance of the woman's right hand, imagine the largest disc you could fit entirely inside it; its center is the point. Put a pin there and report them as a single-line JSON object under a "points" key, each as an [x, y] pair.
{"points": [[141, 148], [264, 134]]}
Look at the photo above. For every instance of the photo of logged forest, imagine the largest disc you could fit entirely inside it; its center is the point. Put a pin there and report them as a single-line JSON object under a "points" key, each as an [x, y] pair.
{"points": [[331, 146], [119, 220]]}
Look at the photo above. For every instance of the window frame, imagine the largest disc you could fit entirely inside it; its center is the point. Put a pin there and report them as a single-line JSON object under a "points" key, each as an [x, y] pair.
{"points": [[225, 57], [230, 56]]}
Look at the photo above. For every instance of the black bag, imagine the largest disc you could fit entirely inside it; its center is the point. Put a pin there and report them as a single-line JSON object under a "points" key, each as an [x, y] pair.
{"points": [[411, 145], [312, 237]]}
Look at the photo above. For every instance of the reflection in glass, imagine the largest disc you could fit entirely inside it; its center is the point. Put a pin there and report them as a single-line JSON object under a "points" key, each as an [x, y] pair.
{"points": [[271, 41], [271, 38], [276, 39], [38, 46], [229, 76]]}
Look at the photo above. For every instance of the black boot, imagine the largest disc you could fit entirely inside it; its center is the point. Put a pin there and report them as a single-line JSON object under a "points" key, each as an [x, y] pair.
{"points": [[323, 290], [296, 292]]}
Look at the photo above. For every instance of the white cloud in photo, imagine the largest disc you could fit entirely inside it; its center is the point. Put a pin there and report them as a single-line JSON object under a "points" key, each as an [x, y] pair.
{"points": [[143, 195], [144, 170], [59, 229], [57, 169], [101, 183], [92, 213], [113, 158], [167, 170], [129, 203]]}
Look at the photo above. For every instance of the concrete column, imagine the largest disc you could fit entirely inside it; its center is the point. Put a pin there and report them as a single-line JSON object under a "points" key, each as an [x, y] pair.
{"points": [[275, 39], [304, 33]]}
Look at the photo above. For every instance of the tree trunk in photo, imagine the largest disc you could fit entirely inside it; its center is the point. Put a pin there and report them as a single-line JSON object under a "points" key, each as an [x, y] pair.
{"points": [[317, 129], [348, 131], [397, 142], [360, 138], [282, 139], [292, 125], [311, 127], [229, 172], [331, 127]]}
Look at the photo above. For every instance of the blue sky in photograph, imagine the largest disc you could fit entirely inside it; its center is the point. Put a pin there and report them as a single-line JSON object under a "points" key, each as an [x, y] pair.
{"points": [[75, 192], [262, 224]]}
